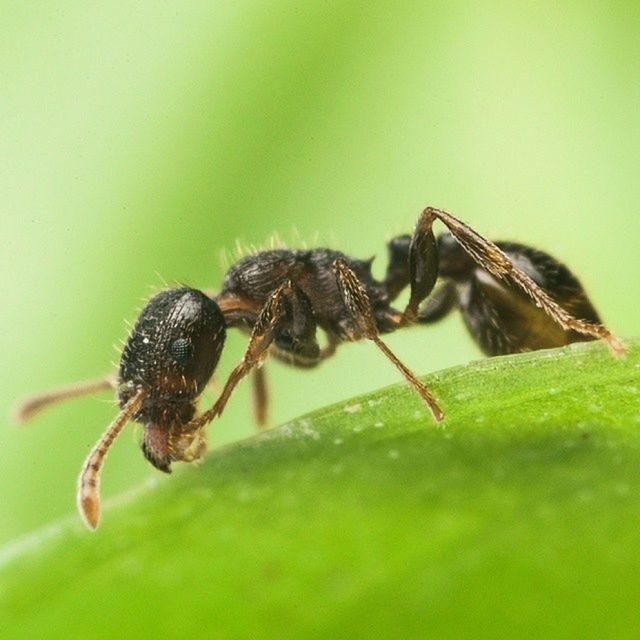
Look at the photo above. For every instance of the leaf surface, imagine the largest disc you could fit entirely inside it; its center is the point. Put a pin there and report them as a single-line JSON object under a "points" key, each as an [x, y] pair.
{"points": [[518, 517]]}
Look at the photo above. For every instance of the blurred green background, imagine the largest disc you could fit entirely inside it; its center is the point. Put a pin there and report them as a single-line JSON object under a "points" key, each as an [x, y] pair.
{"points": [[140, 140]]}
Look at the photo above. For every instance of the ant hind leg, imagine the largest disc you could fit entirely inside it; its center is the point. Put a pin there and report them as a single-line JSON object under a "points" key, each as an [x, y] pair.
{"points": [[493, 260], [439, 304]]}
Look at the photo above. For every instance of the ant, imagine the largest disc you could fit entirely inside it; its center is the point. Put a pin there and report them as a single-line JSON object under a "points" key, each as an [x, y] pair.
{"points": [[512, 298]]}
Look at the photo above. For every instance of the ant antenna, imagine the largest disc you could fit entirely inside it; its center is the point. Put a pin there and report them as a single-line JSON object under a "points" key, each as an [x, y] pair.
{"points": [[35, 404], [89, 480]]}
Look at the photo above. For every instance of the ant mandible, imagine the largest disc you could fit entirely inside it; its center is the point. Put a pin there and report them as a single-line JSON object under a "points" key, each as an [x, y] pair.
{"points": [[513, 298]]}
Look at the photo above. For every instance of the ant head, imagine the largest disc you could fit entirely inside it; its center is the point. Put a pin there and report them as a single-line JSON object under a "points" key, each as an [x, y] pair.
{"points": [[170, 355]]}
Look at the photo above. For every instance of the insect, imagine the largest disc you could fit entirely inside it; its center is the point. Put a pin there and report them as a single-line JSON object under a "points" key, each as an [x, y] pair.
{"points": [[512, 298]]}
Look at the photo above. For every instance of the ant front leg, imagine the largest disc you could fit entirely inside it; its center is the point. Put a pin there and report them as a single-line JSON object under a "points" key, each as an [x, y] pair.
{"points": [[493, 260], [262, 336], [287, 324], [356, 302], [260, 393]]}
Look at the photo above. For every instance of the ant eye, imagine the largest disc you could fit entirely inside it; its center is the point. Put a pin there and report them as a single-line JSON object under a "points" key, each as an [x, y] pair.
{"points": [[181, 351]]}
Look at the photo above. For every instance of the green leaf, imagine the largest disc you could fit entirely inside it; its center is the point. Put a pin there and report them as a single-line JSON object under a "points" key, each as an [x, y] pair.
{"points": [[517, 518]]}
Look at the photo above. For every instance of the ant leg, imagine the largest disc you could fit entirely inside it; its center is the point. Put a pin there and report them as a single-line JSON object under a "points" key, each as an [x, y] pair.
{"points": [[423, 269], [33, 405], [272, 314], [356, 302], [439, 303], [302, 351], [330, 348], [492, 259], [295, 341], [260, 397]]}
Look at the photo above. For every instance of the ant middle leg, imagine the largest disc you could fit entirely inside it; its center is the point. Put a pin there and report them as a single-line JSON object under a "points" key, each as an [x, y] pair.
{"points": [[356, 302], [294, 344]]}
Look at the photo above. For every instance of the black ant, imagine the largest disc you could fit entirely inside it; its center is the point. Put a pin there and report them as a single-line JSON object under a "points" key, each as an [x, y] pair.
{"points": [[513, 298]]}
